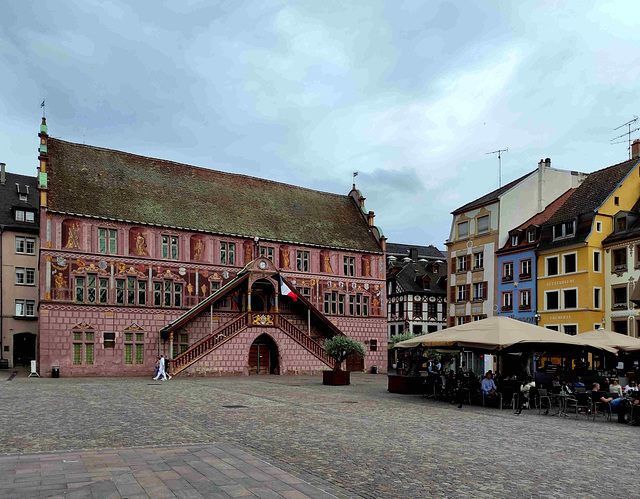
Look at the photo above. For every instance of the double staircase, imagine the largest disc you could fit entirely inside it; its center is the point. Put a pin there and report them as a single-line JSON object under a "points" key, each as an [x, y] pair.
{"points": [[231, 329]]}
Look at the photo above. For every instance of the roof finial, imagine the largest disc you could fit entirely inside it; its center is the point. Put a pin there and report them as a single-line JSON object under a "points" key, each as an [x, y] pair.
{"points": [[43, 109]]}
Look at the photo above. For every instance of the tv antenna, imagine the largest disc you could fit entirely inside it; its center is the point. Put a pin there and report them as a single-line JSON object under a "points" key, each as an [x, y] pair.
{"points": [[499, 153], [628, 133]]}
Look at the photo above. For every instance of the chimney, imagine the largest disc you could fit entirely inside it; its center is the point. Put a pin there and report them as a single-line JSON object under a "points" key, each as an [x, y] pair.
{"points": [[413, 254], [2, 173], [547, 162], [635, 149]]}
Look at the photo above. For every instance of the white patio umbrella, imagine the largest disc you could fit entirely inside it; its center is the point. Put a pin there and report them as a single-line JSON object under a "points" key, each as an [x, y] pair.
{"points": [[496, 333]]}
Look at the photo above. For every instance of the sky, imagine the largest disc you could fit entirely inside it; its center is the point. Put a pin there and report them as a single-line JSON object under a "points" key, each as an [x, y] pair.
{"points": [[410, 94]]}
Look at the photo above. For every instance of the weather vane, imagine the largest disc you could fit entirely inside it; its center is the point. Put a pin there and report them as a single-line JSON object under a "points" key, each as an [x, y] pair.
{"points": [[43, 108]]}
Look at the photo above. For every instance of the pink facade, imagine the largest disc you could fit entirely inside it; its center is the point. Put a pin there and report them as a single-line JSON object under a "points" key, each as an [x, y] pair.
{"points": [[109, 286]]}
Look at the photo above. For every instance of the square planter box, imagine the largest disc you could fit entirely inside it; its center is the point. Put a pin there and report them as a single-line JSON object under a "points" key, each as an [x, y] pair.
{"points": [[336, 377]]}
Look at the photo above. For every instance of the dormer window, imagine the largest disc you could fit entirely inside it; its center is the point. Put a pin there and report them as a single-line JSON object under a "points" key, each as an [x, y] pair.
{"points": [[621, 224], [531, 236], [514, 240], [564, 229], [25, 216]]}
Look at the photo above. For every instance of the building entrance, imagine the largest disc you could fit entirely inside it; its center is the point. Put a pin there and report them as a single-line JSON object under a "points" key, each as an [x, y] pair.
{"points": [[263, 356], [24, 348]]}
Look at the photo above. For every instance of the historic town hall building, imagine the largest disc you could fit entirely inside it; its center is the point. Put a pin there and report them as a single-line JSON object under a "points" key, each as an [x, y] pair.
{"points": [[141, 256]]}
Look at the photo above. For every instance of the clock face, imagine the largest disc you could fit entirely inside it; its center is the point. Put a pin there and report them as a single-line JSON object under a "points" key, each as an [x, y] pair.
{"points": [[262, 265]]}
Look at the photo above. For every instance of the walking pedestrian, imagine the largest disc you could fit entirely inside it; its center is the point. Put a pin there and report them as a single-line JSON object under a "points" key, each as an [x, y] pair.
{"points": [[161, 370]]}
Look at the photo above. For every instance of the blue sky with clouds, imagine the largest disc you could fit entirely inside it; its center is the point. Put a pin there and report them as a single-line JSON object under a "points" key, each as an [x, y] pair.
{"points": [[409, 94]]}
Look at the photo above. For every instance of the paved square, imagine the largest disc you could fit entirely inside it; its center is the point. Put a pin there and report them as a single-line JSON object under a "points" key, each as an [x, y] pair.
{"points": [[280, 436]]}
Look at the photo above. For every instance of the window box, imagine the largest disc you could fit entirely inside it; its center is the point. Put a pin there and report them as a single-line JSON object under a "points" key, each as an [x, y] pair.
{"points": [[507, 308]]}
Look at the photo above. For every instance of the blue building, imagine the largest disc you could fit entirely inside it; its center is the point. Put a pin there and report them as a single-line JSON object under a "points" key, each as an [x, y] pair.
{"points": [[517, 267]]}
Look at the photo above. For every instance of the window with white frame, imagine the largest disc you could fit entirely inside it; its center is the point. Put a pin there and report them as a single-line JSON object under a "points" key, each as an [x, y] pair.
{"points": [[25, 276], [570, 298], [570, 329], [108, 241], [227, 253], [170, 247], [462, 263], [531, 236], [525, 269], [463, 230], [507, 271], [525, 299], [267, 251], [26, 245], [349, 264], [302, 261], [514, 240], [460, 320], [570, 262], [25, 308], [597, 298], [564, 230], [553, 327], [477, 291], [483, 224], [507, 301], [462, 292], [25, 216], [478, 260], [597, 261], [551, 264], [552, 300]]}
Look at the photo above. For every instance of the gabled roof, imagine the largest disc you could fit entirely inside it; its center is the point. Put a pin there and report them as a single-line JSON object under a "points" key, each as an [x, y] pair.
{"points": [[406, 278], [92, 181], [492, 196], [397, 249], [10, 200], [593, 191], [632, 232]]}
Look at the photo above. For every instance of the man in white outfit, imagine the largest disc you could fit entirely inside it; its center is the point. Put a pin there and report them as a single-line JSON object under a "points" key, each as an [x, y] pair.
{"points": [[161, 370]]}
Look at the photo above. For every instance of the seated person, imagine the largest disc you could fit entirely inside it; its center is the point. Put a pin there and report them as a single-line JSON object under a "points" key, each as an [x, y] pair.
{"points": [[556, 385], [615, 387], [489, 389], [605, 384], [631, 387], [598, 396]]}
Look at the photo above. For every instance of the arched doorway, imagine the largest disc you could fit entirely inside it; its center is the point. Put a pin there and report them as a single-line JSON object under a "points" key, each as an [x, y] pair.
{"points": [[263, 356], [24, 348]]}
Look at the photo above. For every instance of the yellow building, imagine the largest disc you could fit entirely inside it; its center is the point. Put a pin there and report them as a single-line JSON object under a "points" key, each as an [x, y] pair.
{"points": [[571, 277]]}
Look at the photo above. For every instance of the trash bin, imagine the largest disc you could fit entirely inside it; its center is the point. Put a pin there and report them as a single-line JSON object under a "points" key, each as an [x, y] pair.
{"points": [[374, 369], [55, 372]]}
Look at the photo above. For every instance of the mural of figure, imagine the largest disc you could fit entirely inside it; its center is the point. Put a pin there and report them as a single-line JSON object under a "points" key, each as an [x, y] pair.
{"points": [[73, 237], [60, 283], [285, 259], [367, 267], [199, 248], [204, 289], [327, 263], [247, 253], [190, 288], [235, 299], [141, 245], [376, 301]]}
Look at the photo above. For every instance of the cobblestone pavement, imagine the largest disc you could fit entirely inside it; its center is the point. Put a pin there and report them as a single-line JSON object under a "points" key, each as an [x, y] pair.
{"points": [[358, 440]]}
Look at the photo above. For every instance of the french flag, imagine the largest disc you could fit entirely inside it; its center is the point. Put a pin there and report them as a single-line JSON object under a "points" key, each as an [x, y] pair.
{"points": [[286, 290]]}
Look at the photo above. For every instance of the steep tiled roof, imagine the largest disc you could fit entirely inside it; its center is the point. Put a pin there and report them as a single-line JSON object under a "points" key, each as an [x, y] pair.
{"points": [[99, 182], [9, 199], [407, 279], [430, 251], [492, 196], [593, 191]]}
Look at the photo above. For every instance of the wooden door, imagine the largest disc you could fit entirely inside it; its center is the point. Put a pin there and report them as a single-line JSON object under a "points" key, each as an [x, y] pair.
{"points": [[259, 359], [355, 363]]}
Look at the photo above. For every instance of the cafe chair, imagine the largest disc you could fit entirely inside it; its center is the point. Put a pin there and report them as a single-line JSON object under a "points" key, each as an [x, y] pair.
{"points": [[601, 409], [578, 402], [544, 400], [484, 399]]}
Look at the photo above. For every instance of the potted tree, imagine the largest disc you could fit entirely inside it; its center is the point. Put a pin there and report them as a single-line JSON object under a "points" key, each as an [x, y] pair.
{"points": [[339, 348]]}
